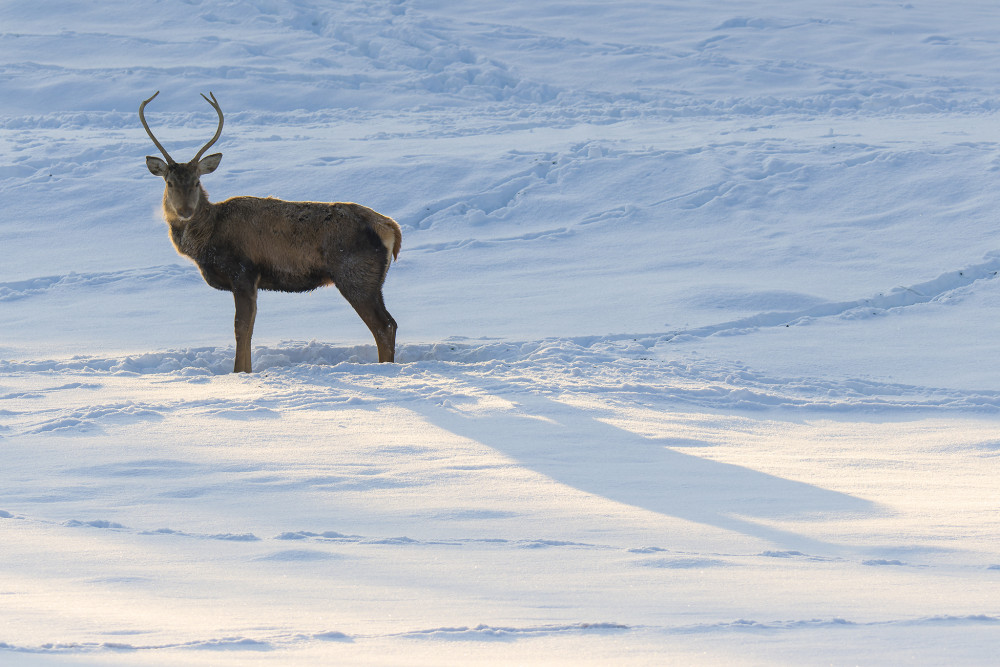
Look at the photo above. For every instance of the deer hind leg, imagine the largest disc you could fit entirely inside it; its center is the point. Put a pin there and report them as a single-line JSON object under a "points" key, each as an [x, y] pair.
{"points": [[372, 310], [246, 313]]}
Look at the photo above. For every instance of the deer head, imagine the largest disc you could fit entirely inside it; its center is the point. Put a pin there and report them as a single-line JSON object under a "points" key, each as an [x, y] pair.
{"points": [[183, 192]]}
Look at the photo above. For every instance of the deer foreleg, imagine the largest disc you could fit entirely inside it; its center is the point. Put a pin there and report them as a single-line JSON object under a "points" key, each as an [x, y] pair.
{"points": [[372, 310], [246, 313]]}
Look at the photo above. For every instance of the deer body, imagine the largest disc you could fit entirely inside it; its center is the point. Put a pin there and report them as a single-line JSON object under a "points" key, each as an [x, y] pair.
{"points": [[244, 244]]}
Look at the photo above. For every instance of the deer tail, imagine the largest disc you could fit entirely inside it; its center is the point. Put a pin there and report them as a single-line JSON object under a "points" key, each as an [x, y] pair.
{"points": [[392, 236]]}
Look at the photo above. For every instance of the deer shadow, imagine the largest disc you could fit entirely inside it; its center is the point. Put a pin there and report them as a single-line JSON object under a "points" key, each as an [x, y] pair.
{"points": [[573, 447]]}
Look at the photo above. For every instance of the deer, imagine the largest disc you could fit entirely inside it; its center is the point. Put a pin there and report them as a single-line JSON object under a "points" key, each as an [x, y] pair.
{"points": [[245, 244]]}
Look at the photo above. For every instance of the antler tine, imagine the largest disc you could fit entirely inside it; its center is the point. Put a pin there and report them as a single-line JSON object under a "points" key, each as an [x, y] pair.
{"points": [[215, 105], [142, 117]]}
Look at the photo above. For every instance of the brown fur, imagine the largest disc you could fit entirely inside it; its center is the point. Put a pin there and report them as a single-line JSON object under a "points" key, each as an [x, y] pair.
{"points": [[244, 244]]}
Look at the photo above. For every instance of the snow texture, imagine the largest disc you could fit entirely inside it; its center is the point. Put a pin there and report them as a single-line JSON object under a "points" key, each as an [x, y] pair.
{"points": [[697, 347]]}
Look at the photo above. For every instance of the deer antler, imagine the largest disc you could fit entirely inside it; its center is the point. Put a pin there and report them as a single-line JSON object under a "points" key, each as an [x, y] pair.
{"points": [[215, 105], [142, 117]]}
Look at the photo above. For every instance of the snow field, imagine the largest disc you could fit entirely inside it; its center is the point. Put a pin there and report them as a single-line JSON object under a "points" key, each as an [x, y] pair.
{"points": [[697, 320]]}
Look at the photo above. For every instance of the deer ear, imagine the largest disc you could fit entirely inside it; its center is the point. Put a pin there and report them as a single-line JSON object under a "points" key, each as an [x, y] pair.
{"points": [[156, 166], [209, 163]]}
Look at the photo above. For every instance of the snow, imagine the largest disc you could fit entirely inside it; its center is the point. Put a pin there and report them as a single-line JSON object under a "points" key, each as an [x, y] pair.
{"points": [[697, 337]]}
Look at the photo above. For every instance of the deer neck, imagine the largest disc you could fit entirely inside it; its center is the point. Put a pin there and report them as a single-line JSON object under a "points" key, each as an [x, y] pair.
{"points": [[191, 235]]}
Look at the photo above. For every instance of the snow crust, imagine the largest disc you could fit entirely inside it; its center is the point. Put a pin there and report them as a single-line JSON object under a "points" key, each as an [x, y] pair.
{"points": [[697, 311]]}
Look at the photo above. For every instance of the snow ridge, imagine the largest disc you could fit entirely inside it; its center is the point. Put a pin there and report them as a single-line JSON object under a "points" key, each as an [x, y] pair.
{"points": [[632, 367], [489, 633], [937, 289]]}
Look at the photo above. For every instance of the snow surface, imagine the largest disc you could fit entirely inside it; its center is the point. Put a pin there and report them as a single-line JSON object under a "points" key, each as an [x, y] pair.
{"points": [[698, 336]]}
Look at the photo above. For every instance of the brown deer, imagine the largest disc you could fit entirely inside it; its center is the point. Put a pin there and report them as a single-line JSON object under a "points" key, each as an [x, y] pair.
{"points": [[248, 243]]}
